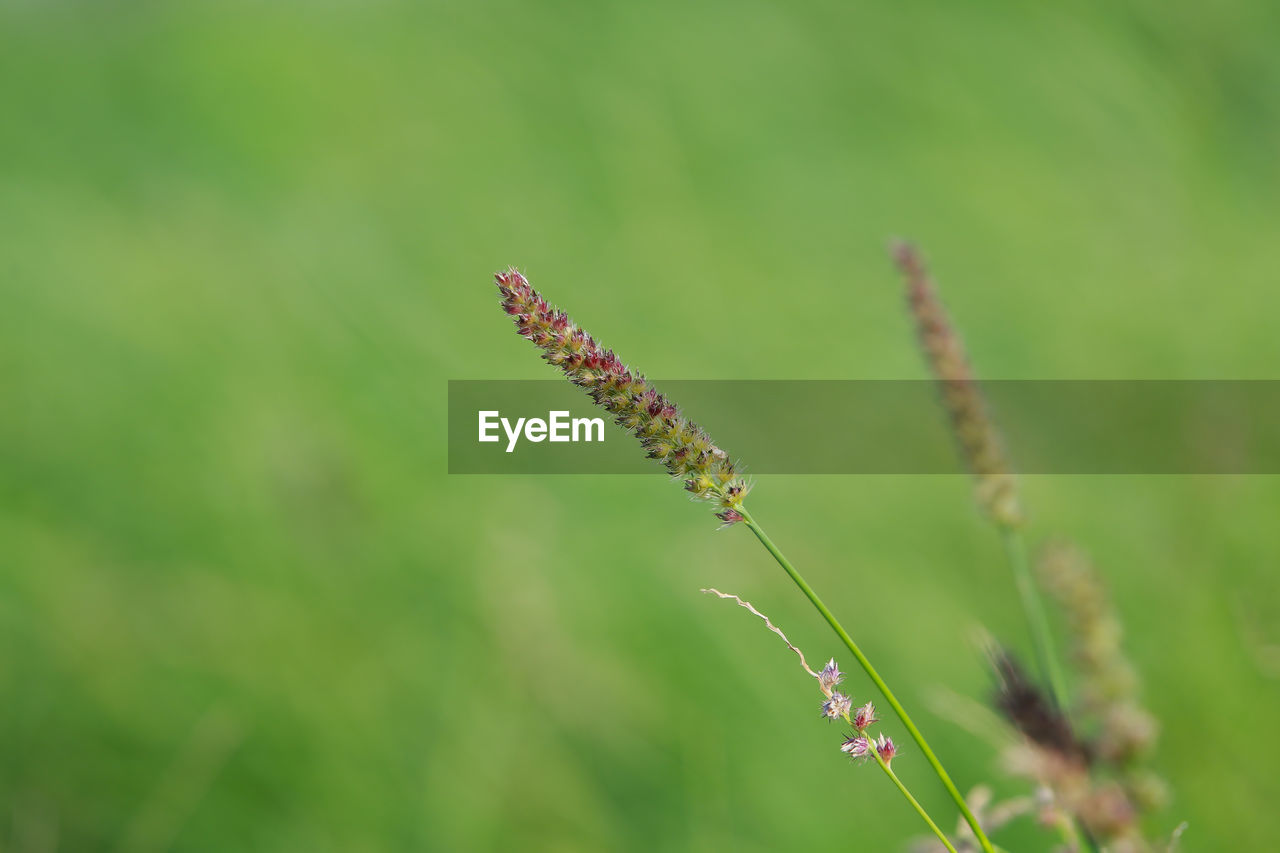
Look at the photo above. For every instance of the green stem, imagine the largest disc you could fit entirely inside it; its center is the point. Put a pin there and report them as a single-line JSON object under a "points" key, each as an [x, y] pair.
{"points": [[874, 676], [1016, 549], [884, 765]]}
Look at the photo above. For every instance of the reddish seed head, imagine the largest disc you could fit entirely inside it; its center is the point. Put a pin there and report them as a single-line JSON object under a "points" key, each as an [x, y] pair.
{"points": [[864, 716], [729, 516], [886, 748], [667, 436], [859, 746]]}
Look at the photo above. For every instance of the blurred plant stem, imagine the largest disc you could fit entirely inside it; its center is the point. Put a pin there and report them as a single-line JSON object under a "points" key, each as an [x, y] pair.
{"points": [[1015, 547], [879, 682]]}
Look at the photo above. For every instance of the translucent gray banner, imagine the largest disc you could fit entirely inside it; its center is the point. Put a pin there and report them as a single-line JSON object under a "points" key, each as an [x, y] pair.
{"points": [[881, 427]]}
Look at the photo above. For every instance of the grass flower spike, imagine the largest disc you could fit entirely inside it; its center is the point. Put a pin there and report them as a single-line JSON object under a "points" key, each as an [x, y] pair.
{"points": [[995, 487], [689, 454], [1125, 731], [980, 444], [1097, 786], [1108, 682], [669, 437]]}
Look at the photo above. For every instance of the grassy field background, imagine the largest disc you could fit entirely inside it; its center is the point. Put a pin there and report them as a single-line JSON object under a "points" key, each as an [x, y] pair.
{"points": [[243, 246]]}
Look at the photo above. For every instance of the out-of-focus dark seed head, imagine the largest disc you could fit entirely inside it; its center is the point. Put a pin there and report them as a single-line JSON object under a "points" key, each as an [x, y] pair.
{"points": [[666, 436], [1030, 710]]}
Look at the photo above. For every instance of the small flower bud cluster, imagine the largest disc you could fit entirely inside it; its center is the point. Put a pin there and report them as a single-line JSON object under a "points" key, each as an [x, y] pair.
{"points": [[838, 706], [830, 676], [995, 487], [860, 746], [670, 438], [864, 717]]}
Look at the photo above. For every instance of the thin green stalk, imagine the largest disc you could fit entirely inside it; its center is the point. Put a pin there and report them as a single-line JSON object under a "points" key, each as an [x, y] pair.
{"points": [[1016, 549], [942, 836], [874, 676]]}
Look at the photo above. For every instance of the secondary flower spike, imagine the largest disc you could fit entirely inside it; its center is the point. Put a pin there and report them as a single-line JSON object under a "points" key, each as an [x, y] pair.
{"points": [[672, 439], [997, 491]]}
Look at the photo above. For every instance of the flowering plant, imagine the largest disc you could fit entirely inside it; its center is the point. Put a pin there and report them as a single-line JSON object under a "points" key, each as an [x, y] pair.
{"points": [[1093, 810]]}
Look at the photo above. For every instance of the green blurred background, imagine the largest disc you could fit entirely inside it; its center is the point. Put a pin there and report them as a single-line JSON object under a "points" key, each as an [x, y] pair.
{"points": [[244, 245]]}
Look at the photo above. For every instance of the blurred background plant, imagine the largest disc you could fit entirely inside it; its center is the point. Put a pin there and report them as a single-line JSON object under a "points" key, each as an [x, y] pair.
{"points": [[1084, 748], [245, 245]]}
